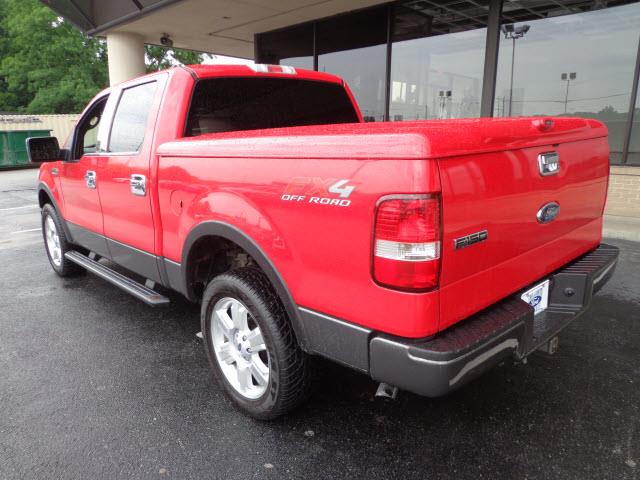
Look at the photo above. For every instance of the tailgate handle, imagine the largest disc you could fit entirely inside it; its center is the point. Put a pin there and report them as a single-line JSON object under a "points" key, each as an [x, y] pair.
{"points": [[549, 163]]}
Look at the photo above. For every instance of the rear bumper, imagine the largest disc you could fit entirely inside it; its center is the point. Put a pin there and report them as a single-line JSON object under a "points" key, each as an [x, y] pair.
{"points": [[508, 329]]}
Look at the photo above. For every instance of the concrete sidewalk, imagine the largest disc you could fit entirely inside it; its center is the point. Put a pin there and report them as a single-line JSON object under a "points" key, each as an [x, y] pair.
{"points": [[624, 228]]}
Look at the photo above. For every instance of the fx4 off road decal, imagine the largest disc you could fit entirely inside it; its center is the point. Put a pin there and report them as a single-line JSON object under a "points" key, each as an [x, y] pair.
{"points": [[321, 191]]}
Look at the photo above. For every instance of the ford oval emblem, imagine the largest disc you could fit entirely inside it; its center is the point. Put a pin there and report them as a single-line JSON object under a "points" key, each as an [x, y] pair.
{"points": [[548, 212]]}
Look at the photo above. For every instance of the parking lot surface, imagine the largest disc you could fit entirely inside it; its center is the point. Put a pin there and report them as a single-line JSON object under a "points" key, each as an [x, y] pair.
{"points": [[95, 384]]}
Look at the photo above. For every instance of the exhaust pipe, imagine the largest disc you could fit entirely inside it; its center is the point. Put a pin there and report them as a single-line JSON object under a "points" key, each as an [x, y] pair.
{"points": [[387, 391]]}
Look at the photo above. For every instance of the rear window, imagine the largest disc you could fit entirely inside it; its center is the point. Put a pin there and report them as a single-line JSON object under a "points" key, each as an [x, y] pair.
{"points": [[232, 104]]}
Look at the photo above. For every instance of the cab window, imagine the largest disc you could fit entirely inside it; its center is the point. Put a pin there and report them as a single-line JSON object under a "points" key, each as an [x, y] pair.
{"points": [[130, 119], [87, 131], [233, 104]]}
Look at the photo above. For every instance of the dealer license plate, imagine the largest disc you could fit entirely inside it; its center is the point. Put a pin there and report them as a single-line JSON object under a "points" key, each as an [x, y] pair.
{"points": [[537, 297]]}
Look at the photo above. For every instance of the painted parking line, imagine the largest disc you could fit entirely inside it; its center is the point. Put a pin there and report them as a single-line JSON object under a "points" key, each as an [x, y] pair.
{"points": [[18, 208], [27, 231]]}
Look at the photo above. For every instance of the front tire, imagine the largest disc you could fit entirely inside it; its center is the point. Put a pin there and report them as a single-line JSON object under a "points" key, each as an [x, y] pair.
{"points": [[251, 345], [56, 243]]}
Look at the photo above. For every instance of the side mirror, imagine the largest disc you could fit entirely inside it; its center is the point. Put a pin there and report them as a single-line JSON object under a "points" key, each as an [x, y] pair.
{"points": [[44, 149]]}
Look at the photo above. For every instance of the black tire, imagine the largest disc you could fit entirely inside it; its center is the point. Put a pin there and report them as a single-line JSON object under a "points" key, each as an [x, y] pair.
{"points": [[288, 384], [64, 267]]}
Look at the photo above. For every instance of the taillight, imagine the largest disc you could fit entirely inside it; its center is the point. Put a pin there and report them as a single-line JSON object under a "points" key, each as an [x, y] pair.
{"points": [[407, 242]]}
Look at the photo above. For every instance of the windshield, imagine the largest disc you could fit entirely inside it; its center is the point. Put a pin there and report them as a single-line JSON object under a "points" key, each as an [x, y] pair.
{"points": [[232, 104]]}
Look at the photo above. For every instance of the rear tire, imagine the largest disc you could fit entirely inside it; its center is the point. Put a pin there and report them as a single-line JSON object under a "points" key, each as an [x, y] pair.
{"points": [[56, 243], [251, 345]]}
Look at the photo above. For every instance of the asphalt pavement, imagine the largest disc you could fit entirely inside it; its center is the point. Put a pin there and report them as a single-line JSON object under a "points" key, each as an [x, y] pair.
{"points": [[95, 384]]}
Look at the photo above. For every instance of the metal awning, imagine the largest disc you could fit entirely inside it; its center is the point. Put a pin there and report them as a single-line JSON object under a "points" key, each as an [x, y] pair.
{"points": [[217, 26]]}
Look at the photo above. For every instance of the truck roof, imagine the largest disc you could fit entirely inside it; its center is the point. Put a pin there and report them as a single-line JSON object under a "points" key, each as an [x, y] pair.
{"points": [[261, 70]]}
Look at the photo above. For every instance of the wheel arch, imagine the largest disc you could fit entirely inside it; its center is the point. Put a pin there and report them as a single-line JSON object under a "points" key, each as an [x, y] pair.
{"points": [[236, 236], [46, 196]]}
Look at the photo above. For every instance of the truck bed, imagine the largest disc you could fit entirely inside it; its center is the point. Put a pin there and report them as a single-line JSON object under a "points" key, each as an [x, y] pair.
{"points": [[484, 170]]}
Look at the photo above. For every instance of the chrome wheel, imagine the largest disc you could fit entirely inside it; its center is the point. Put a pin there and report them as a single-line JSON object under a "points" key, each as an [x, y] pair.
{"points": [[53, 241], [239, 348]]}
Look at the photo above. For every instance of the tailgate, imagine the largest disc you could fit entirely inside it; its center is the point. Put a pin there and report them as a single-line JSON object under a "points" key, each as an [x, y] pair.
{"points": [[502, 193]]}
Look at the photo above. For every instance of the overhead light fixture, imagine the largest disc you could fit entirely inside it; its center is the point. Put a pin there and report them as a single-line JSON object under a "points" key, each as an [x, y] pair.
{"points": [[165, 40]]}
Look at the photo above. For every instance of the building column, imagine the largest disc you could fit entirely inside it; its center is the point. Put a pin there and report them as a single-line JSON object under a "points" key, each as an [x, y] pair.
{"points": [[491, 58], [126, 56]]}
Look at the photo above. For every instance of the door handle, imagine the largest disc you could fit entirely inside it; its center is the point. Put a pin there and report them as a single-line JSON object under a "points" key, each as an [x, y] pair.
{"points": [[90, 179], [54, 172], [138, 185]]}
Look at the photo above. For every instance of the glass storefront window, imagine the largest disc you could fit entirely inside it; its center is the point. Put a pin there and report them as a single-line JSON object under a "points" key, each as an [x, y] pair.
{"points": [[633, 157], [579, 65], [566, 59], [434, 73], [354, 47], [293, 47]]}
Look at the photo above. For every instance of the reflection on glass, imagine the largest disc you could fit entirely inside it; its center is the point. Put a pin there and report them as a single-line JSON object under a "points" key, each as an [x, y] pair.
{"points": [[130, 119], [437, 77], [354, 47], [363, 70], [293, 46], [578, 65], [435, 73]]}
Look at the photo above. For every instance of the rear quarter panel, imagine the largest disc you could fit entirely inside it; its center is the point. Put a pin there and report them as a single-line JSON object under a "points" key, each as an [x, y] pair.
{"points": [[323, 252]]}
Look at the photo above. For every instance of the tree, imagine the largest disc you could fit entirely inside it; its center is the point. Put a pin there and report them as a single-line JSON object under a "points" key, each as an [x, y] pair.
{"points": [[48, 66], [159, 58]]}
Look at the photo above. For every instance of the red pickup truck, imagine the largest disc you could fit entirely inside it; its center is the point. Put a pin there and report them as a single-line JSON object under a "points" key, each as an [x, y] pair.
{"points": [[420, 253]]}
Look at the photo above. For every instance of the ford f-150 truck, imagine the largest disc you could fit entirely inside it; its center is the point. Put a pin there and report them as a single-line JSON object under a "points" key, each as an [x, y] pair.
{"points": [[420, 253]]}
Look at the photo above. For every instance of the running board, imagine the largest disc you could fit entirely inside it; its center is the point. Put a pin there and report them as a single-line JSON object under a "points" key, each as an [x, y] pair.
{"points": [[141, 292]]}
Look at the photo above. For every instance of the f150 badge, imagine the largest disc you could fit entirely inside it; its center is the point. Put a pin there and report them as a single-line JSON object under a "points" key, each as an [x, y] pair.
{"points": [[469, 240], [321, 191]]}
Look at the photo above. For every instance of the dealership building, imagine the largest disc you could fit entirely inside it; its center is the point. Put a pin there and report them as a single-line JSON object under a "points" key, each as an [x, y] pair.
{"points": [[417, 59]]}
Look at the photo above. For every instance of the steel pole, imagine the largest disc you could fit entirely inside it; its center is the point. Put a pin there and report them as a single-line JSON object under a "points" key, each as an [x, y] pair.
{"points": [[513, 60]]}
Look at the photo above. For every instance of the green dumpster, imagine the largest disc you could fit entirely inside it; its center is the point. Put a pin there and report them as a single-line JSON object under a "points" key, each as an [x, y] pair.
{"points": [[13, 149]]}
